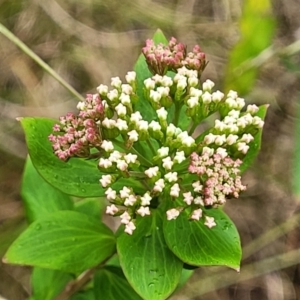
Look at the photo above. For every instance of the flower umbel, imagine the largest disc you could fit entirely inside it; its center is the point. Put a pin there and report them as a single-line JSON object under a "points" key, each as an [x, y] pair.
{"points": [[164, 161]]}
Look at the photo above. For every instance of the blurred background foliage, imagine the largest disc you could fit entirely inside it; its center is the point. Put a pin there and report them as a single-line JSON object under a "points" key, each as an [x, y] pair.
{"points": [[252, 47]]}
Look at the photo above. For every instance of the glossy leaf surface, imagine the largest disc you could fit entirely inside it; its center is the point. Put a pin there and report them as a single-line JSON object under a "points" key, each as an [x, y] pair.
{"points": [[60, 241], [148, 264], [196, 244]]}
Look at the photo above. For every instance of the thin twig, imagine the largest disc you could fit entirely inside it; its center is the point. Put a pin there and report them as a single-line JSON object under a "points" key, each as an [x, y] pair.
{"points": [[76, 285], [15, 40]]}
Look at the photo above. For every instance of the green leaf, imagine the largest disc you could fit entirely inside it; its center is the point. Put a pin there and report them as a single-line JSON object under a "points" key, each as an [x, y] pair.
{"points": [[93, 207], [47, 284], [256, 29], [255, 145], [68, 241], [78, 177], [39, 197], [142, 73], [110, 283], [196, 244], [148, 264]]}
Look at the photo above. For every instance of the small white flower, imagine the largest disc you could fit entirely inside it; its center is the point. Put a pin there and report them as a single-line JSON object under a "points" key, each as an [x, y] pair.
{"points": [[222, 152], [136, 117], [163, 152], [80, 106], [234, 113], [166, 81], [105, 163], [182, 83], [105, 180], [231, 139], [217, 96], [125, 192], [171, 176], [199, 201], [125, 99], [162, 113], [159, 185], [155, 96], [192, 102], [195, 92], [126, 89], [129, 228], [130, 158], [110, 194], [108, 123], [258, 122], [155, 126], [209, 139], [188, 198], [122, 165], [193, 81], [163, 91], [142, 125], [206, 98], [121, 125], [167, 163], [175, 190], [172, 214], [247, 138], [240, 102], [102, 89], [179, 157], [111, 210], [209, 222], [157, 78], [125, 218], [208, 151], [116, 82], [171, 129], [242, 147], [107, 146], [143, 211], [121, 110], [232, 94], [115, 156], [145, 199], [130, 200], [113, 94], [208, 85], [252, 109], [130, 77], [220, 139], [152, 172], [133, 135], [231, 103], [149, 84], [219, 125], [197, 214], [198, 187]]}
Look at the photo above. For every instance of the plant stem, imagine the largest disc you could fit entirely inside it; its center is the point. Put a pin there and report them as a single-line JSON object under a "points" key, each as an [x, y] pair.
{"points": [[177, 114], [75, 285], [192, 129], [151, 146], [15, 40], [140, 156]]}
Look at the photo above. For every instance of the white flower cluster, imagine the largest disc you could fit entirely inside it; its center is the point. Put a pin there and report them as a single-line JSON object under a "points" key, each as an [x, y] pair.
{"points": [[171, 151]]}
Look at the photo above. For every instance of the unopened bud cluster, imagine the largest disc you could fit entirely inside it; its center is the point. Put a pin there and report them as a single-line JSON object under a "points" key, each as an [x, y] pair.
{"points": [[174, 167]]}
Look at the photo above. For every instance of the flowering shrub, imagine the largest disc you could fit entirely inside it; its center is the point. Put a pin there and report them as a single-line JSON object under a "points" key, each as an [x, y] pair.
{"points": [[146, 146]]}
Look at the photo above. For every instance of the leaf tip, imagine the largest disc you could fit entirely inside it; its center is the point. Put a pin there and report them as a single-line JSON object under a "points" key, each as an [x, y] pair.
{"points": [[19, 119], [5, 260]]}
